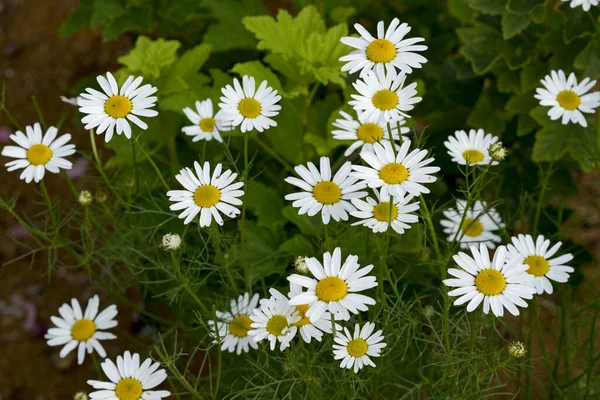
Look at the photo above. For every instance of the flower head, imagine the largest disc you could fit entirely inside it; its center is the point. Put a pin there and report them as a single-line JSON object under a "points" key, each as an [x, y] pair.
{"points": [[472, 148], [234, 324], [517, 349], [171, 242], [309, 327], [585, 4], [206, 124], [275, 320], [497, 151], [300, 265], [378, 213], [355, 350], [474, 225], [85, 198]]}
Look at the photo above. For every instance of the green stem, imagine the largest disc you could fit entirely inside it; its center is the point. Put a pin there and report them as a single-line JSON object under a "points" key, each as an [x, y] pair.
{"points": [[545, 358], [243, 222], [183, 280], [219, 363], [135, 166], [273, 154], [175, 373], [158, 173], [541, 198], [39, 113], [48, 203]]}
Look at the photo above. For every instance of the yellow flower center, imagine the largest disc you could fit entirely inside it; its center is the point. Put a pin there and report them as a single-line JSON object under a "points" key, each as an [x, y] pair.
{"points": [[207, 196], [472, 227], [473, 156], [381, 51], [249, 107], [381, 212], [331, 289], [118, 106], [327, 192], [39, 154], [83, 330], [568, 100], [207, 124], [277, 324], [370, 133], [538, 265], [240, 326], [393, 173], [357, 347], [385, 99], [490, 282], [304, 320], [129, 389]]}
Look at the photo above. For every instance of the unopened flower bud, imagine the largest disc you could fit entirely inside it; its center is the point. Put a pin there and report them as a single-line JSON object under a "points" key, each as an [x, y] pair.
{"points": [[80, 396], [517, 349], [300, 265], [85, 198], [497, 151], [171, 242]]}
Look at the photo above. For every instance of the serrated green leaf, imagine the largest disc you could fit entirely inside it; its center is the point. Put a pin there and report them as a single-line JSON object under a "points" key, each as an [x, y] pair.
{"points": [[589, 59], [491, 7], [521, 6], [521, 103], [513, 24], [139, 21], [460, 10], [150, 56], [483, 52], [577, 25], [540, 115], [260, 73], [287, 136], [78, 19], [539, 13], [264, 202], [298, 245], [341, 14], [192, 60], [508, 81], [489, 113], [531, 75], [525, 125], [105, 11]]}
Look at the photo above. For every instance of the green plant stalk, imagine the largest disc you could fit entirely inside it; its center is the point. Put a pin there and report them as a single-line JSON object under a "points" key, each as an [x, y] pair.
{"points": [[162, 180], [219, 362], [543, 348], [591, 361], [175, 373], [7, 112], [538, 209], [219, 251], [184, 282], [273, 154], [101, 169], [243, 222], [39, 113], [135, 165], [48, 203]]}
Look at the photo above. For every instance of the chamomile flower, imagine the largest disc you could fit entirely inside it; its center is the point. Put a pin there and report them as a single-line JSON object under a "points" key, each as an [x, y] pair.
{"points": [[475, 225], [537, 258], [568, 98], [382, 96], [307, 327], [396, 175], [130, 380], [274, 320], [206, 124], [365, 133], [375, 213], [499, 283], [389, 49], [355, 350], [112, 110], [323, 194], [253, 109], [585, 4], [471, 149], [37, 152], [335, 288], [234, 325], [206, 195], [82, 330]]}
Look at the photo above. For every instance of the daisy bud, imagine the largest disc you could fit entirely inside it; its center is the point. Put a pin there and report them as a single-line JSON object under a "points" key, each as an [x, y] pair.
{"points": [[517, 349], [101, 196], [497, 152], [171, 242], [300, 265], [428, 311], [85, 198], [80, 396]]}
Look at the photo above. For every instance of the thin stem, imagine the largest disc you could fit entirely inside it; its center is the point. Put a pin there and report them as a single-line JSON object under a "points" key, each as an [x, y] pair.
{"points": [[274, 154], [49, 205], [7, 112], [536, 307], [39, 113], [158, 173], [175, 372], [135, 166], [183, 280], [243, 222], [217, 334], [541, 198]]}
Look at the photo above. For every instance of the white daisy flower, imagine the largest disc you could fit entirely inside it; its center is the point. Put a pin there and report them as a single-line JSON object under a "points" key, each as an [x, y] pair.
{"points": [[356, 350], [322, 193], [310, 328], [335, 287], [471, 149], [537, 258], [241, 104], [130, 380], [37, 152], [206, 196], [475, 225], [274, 320], [366, 133], [499, 284], [389, 49], [375, 214], [567, 98], [207, 125], [382, 96], [234, 325], [112, 110], [83, 330], [396, 175], [71, 100], [585, 4]]}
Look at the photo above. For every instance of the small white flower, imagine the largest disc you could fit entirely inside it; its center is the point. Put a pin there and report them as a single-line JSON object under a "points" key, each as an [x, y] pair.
{"points": [[130, 380], [309, 327], [85, 198], [241, 104], [37, 152], [234, 325], [112, 110], [365, 133], [83, 330], [537, 258], [300, 265], [274, 320], [517, 349], [585, 4], [376, 215], [335, 288], [205, 195], [207, 125], [171, 242], [476, 225], [382, 97], [322, 193], [497, 151], [356, 350], [389, 49], [471, 149], [567, 98], [396, 175], [499, 284], [74, 102]]}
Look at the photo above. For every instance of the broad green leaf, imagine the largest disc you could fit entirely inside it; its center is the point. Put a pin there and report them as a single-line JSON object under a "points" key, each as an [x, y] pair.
{"points": [[298, 245], [342, 14], [150, 56], [139, 21], [589, 59], [525, 125], [521, 103], [264, 202], [508, 81], [491, 7], [513, 24], [489, 114], [539, 13], [460, 10], [286, 137], [531, 75], [260, 73], [106, 10], [192, 60], [312, 226], [578, 24], [78, 19], [483, 52], [521, 6]]}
